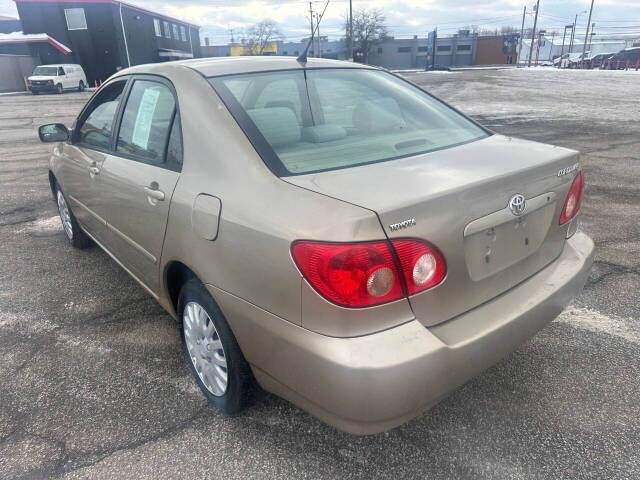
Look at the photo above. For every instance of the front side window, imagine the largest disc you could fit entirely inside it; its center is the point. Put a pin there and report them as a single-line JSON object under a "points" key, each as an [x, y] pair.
{"points": [[95, 131], [339, 118], [75, 18], [60, 72], [146, 122], [167, 29], [156, 27]]}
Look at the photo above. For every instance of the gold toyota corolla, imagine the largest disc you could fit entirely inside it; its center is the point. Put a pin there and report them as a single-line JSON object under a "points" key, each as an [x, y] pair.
{"points": [[357, 246]]}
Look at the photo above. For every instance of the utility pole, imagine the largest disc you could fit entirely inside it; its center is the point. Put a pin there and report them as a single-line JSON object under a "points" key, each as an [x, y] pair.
{"points": [[573, 31], [311, 19], [524, 14], [318, 18], [584, 45], [562, 51], [350, 30], [553, 36], [533, 32], [593, 26]]}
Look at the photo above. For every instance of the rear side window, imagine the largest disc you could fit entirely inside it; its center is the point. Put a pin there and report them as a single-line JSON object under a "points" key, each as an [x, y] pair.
{"points": [[174, 146], [324, 119], [96, 129], [146, 122]]}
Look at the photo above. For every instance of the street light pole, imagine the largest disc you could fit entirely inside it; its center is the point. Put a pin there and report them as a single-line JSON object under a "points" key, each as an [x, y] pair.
{"points": [[586, 35], [350, 31], [533, 33], [562, 50]]}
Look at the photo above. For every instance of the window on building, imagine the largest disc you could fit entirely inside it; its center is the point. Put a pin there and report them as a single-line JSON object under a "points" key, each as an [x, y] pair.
{"points": [[284, 52], [379, 50], [146, 122], [296, 52], [75, 18], [183, 33], [422, 49], [167, 29], [404, 49], [156, 27], [444, 48], [176, 34], [464, 48]]}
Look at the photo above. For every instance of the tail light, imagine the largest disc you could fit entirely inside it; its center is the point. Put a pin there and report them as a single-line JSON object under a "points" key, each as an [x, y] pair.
{"points": [[422, 264], [574, 199], [366, 274]]}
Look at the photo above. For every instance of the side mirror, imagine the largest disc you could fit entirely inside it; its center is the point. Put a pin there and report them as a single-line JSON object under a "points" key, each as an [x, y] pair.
{"points": [[54, 132]]}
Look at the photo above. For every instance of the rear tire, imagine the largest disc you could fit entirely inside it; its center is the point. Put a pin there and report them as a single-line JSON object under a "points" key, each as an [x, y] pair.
{"points": [[72, 231], [81, 86], [211, 350], [59, 88]]}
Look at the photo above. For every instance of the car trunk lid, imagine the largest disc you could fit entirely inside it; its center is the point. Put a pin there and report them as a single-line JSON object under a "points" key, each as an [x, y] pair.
{"points": [[458, 199]]}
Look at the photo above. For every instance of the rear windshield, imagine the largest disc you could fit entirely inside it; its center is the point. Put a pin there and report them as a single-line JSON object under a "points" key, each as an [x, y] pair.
{"points": [[48, 71], [304, 121]]}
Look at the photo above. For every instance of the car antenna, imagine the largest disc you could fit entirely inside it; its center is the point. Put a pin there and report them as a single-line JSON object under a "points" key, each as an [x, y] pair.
{"points": [[302, 58]]}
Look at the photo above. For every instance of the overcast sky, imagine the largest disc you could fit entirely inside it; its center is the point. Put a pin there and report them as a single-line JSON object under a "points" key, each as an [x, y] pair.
{"points": [[404, 17]]}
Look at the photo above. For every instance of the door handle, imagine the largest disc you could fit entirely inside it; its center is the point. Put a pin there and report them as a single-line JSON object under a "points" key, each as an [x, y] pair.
{"points": [[94, 170], [154, 193]]}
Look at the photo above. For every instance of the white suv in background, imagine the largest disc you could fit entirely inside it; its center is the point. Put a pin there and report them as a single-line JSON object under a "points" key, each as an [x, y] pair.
{"points": [[57, 78]]}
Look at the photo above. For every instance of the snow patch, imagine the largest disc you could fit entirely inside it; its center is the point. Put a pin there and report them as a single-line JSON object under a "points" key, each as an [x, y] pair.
{"points": [[594, 321], [43, 225]]}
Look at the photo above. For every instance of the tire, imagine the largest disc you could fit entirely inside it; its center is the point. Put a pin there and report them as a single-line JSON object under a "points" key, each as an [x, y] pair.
{"points": [[72, 231], [81, 86], [202, 344], [59, 88]]}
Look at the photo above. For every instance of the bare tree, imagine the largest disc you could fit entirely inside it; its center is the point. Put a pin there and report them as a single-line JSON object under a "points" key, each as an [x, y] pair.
{"points": [[369, 29], [261, 35]]}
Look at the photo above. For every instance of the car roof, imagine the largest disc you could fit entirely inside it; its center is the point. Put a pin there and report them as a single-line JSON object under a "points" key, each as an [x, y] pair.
{"points": [[60, 65], [215, 66]]}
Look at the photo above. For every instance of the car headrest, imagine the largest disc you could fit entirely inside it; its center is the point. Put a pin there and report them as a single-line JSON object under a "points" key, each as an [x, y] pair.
{"points": [[323, 133], [278, 125], [281, 103], [378, 115]]}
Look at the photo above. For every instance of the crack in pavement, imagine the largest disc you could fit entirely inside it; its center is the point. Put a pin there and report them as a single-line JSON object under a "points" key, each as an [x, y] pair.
{"points": [[104, 454]]}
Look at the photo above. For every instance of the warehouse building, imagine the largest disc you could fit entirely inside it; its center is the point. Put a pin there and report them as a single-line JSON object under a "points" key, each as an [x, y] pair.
{"points": [[103, 36]]}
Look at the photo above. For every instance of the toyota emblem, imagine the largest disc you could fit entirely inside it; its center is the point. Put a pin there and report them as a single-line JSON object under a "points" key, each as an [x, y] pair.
{"points": [[517, 204]]}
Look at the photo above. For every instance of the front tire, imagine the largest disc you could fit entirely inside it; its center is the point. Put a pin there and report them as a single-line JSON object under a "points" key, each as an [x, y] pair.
{"points": [[211, 350], [76, 237], [81, 86], [59, 89]]}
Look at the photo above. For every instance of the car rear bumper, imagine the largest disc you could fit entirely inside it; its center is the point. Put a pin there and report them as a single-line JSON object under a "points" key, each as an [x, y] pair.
{"points": [[375, 382]]}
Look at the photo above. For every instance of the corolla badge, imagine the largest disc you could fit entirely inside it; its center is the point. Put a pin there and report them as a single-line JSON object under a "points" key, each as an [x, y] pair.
{"points": [[517, 204]]}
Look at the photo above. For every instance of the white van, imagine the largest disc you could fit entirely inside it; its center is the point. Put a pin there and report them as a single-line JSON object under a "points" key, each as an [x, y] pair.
{"points": [[57, 78]]}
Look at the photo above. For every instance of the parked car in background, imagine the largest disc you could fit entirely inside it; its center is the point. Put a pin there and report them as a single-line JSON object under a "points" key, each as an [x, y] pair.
{"points": [[620, 59], [57, 78], [600, 58], [330, 229]]}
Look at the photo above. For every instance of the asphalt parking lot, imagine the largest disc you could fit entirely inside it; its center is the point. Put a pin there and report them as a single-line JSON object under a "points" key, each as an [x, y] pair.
{"points": [[93, 382]]}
